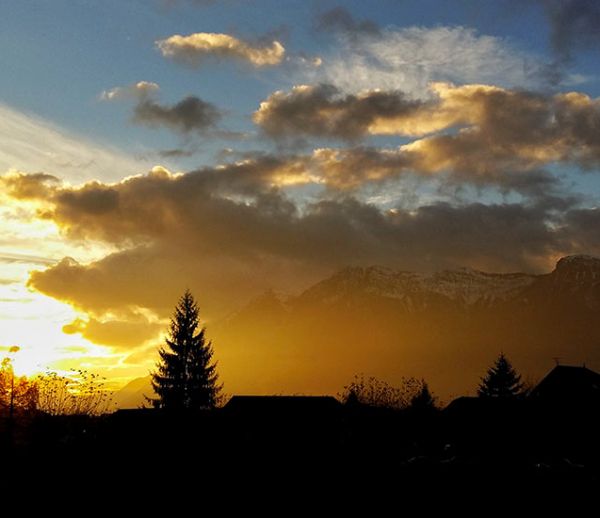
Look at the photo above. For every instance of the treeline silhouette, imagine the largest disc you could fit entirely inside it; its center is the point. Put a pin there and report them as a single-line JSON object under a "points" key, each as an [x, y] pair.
{"points": [[549, 432]]}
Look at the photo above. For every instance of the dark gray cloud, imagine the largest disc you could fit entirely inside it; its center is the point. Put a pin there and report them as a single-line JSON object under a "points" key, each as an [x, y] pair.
{"points": [[226, 234], [574, 25], [176, 153], [233, 251], [581, 229], [191, 114], [339, 19], [323, 111], [95, 199]]}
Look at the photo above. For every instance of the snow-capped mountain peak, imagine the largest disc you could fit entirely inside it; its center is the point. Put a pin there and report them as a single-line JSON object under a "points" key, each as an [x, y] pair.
{"points": [[464, 286]]}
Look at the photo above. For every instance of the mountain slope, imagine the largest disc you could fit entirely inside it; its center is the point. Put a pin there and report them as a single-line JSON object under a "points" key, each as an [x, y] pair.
{"points": [[132, 394], [446, 326]]}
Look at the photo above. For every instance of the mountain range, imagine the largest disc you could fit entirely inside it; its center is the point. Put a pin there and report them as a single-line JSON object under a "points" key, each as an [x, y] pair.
{"points": [[446, 327]]}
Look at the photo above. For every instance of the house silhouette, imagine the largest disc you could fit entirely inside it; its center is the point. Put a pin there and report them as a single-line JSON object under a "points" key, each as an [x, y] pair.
{"points": [[567, 384]]}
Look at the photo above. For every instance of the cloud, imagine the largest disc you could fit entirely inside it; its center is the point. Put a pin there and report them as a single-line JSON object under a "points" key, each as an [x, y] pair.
{"points": [[475, 132], [6, 257], [122, 334], [189, 114], [574, 25], [305, 61], [340, 19], [228, 237], [459, 159], [27, 186], [137, 90], [512, 130], [581, 229], [176, 153], [351, 168], [222, 281], [194, 49], [410, 58], [29, 143], [323, 111], [285, 252]]}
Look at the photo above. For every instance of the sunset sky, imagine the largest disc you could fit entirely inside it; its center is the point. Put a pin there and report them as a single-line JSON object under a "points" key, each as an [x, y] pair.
{"points": [[236, 146]]}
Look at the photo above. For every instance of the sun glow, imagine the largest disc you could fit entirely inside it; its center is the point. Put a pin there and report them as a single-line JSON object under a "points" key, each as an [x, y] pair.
{"points": [[33, 322], [28, 319]]}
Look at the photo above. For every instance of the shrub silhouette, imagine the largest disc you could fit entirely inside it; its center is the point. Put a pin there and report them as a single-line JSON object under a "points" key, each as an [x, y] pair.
{"points": [[378, 393], [79, 393]]}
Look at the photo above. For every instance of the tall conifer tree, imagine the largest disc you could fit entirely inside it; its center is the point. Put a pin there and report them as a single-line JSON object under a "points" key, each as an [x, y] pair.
{"points": [[185, 377]]}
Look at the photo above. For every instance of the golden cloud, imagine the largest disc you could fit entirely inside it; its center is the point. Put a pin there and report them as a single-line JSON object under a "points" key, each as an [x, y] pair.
{"points": [[23, 186], [474, 132], [195, 48], [122, 334], [347, 169]]}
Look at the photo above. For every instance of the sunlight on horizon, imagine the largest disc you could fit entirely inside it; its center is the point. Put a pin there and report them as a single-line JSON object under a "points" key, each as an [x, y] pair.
{"points": [[33, 321]]}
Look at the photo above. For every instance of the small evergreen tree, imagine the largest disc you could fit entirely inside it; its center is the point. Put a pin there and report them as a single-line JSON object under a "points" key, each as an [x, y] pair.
{"points": [[185, 377], [423, 401], [501, 380]]}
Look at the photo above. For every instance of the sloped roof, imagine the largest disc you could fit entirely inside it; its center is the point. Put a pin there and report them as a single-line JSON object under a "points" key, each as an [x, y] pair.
{"points": [[568, 382]]}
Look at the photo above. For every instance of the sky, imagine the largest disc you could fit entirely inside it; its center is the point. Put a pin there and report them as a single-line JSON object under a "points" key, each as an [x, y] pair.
{"points": [[238, 146]]}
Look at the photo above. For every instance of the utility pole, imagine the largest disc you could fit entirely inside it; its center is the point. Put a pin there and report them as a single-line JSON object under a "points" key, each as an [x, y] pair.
{"points": [[11, 406]]}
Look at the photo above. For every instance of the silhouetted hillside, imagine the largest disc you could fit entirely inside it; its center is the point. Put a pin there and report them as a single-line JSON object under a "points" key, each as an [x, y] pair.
{"points": [[132, 394]]}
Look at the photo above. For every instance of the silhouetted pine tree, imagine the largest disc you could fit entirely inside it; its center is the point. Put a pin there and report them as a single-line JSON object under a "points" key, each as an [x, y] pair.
{"points": [[501, 380], [185, 378], [423, 401]]}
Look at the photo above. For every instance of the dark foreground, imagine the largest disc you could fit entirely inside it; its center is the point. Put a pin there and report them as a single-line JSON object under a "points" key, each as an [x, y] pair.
{"points": [[470, 444]]}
